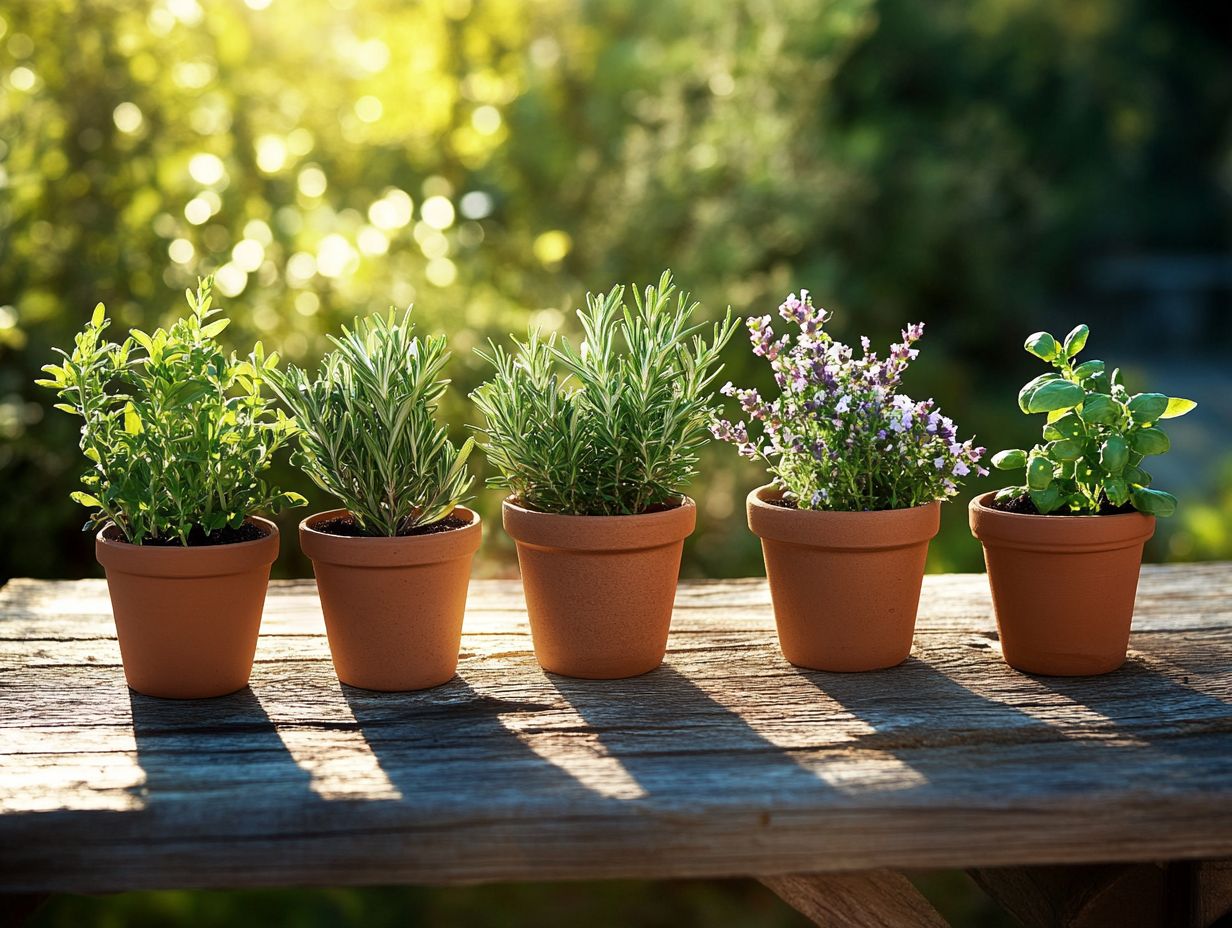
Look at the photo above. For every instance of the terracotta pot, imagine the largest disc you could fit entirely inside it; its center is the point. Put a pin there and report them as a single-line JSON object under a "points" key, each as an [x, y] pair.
{"points": [[393, 606], [845, 585], [600, 589], [1062, 586], [187, 618]]}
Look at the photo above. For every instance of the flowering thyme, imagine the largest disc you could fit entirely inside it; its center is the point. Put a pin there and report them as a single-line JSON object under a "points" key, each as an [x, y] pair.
{"points": [[839, 435]]}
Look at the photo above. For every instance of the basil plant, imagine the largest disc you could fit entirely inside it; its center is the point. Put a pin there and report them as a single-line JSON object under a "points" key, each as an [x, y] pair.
{"points": [[1096, 438]]}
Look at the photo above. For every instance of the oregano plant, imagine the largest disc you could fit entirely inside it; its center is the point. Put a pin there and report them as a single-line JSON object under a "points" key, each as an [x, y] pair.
{"points": [[1096, 438], [177, 431], [367, 428], [610, 426]]}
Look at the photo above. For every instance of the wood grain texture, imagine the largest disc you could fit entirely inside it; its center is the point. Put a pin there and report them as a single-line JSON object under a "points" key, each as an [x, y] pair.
{"points": [[872, 899], [725, 761]]}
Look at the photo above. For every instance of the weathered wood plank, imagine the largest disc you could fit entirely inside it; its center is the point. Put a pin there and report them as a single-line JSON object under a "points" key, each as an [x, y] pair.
{"points": [[871, 899], [726, 761]]}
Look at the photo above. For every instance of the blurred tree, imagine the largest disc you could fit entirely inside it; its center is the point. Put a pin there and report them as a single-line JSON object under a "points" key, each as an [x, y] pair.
{"points": [[953, 161]]}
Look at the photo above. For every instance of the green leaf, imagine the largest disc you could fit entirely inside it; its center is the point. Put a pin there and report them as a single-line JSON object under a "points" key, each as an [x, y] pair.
{"points": [[1076, 340], [85, 499], [1088, 369], [1134, 474], [1113, 454], [1067, 426], [1042, 345], [1047, 500], [99, 315], [1011, 459], [1150, 441], [1153, 502], [214, 328], [1177, 407], [1066, 449], [1039, 472], [1053, 395], [1147, 407], [1099, 408], [1116, 490], [1034, 384], [132, 421]]}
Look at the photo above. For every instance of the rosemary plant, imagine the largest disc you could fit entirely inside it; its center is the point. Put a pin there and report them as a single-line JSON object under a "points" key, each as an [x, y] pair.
{"points": [[176, 431], [367, 428], [612, 426]]}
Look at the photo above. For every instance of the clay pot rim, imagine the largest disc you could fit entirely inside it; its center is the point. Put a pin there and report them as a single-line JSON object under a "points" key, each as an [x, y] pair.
{"points": [[382, 551], [874, 530], [1078, 533], [199, 561], [599, 533]]}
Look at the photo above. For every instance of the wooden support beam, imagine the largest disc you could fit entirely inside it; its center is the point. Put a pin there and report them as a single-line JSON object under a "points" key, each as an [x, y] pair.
{"points": [[867, 899], [1183, 894]]}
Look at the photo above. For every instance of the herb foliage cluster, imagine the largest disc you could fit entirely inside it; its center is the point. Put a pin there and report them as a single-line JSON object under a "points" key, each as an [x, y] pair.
{"points": [[610, 426], [1096, 437], [177, 432], [368, 429]]}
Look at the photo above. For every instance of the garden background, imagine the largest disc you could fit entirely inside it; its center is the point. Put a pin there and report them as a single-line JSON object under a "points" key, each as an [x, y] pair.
{"points": [[991, 167]]}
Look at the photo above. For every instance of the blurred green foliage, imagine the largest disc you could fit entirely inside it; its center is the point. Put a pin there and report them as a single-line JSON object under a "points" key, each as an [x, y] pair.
{"points": [[953, 161], [675, 904]]}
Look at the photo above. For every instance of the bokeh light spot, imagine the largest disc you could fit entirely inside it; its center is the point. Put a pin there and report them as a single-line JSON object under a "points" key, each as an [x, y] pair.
{"points": [[128, 117], [552, 247], [206, 169], [437, 212]]}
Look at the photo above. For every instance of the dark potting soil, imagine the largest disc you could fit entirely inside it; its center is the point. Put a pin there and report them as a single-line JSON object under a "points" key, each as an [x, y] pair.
{"points": [[781, 503], [198, 538], [1023, 506], [345, 526]]}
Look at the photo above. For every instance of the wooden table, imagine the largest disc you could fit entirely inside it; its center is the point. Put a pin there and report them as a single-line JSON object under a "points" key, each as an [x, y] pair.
{"points": [[725, 761]]}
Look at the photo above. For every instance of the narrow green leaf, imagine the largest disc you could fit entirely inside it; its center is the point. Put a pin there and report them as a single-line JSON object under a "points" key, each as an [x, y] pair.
{"points": [[214, 328], [85, 499]]}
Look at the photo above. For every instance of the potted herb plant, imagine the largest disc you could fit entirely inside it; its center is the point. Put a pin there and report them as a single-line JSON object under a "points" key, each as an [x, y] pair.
{"points": [[178, 434], [859, 473], [1075, 528], [594, 444], [393, 566]]}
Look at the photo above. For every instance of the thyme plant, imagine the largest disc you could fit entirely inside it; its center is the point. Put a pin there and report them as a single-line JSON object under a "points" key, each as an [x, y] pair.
{"points": [[1096, 437], [611, 426], [177, 432], [839, 436], [367, 427]]}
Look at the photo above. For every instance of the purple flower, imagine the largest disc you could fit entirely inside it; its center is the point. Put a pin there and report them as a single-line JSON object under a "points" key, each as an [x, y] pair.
{"points": [[831, 432]]}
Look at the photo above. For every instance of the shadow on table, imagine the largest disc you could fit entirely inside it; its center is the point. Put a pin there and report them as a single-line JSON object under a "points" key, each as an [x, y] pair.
{"points": [[681, 745], [196, 750], [1164, 713], [914, 699], [448, 745]]}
